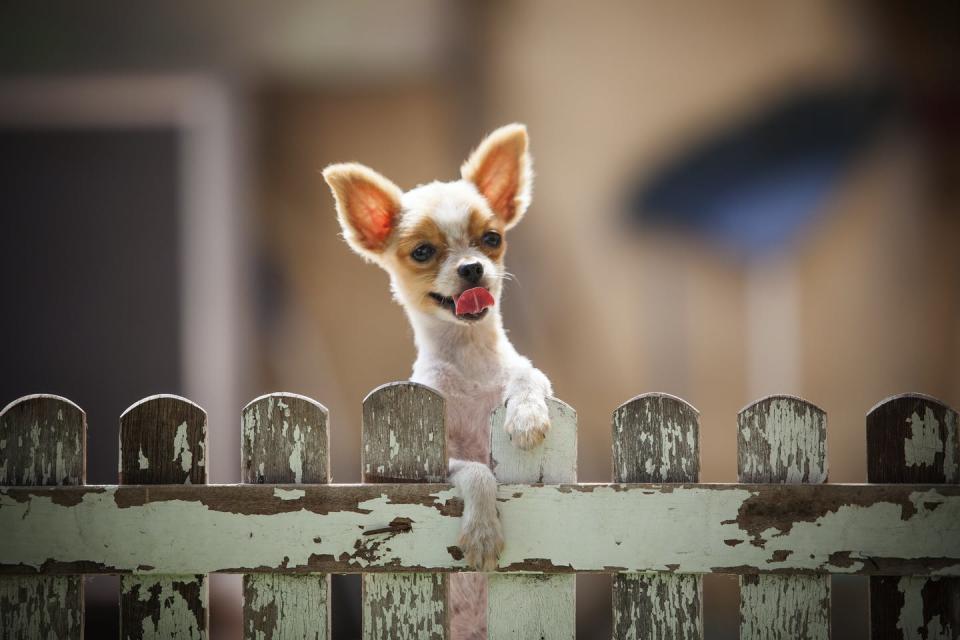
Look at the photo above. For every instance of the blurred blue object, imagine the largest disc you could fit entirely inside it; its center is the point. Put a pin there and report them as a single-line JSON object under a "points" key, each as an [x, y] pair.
{"points": [[752, 187]]}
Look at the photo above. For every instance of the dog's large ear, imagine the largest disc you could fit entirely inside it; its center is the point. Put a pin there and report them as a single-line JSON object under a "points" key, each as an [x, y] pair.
{"points": [[500, 169], [368, 206]]}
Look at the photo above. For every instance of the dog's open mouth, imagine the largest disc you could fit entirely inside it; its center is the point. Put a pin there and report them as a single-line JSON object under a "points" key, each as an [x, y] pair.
{"points": [[469, 305]]}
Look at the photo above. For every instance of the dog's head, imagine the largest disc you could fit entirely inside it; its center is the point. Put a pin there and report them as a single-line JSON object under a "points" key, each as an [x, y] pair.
{"points": [[442, 243]]}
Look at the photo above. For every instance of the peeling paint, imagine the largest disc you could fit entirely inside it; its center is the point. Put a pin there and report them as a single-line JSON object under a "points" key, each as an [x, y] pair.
{"points": [[142, 459], [167, 613], [676, 528], [296, 455], [181, 449], [922, 447], [279, 607], [289, 494], [784, 607], [403, 606]]}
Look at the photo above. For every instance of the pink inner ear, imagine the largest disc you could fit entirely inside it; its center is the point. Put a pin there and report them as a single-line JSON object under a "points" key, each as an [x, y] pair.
{"points": [[497, 180], [372, 213]]}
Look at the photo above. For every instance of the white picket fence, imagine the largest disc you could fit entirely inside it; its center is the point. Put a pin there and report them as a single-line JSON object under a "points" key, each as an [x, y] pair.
{"points": [[783, 529]]}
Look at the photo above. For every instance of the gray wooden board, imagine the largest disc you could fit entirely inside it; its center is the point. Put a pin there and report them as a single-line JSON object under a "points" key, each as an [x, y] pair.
{"points": [[656, 438], [163, 440], [403, 440], [913, 438], [284, 439], [783, 439], [42, 442]]}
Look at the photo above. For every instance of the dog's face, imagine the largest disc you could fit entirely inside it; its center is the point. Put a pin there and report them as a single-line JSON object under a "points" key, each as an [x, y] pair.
{"points": [[442, 239]]}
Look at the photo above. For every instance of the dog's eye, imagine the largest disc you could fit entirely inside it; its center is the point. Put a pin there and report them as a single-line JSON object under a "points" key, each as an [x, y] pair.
{"points": [[491, 239], [423, 252]]}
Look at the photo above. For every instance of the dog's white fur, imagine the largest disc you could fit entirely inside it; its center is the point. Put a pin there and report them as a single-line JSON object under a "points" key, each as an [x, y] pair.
{"points": [[472, 363]]}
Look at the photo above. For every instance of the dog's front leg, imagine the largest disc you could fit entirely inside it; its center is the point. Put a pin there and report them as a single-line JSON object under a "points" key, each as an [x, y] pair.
{"points": [[527, 420], [481, 537]]}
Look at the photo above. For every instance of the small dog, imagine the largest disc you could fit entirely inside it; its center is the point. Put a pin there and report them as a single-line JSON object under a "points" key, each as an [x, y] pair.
{"points": [[443, 246]]}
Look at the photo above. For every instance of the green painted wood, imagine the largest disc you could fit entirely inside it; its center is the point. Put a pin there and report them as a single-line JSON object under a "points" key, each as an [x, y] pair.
{"points": [[656, 438], [620, 528], [285, 439], [403, 441], [542, 606], [42, 442], [163, 440], [913, 438], [783, 439]]}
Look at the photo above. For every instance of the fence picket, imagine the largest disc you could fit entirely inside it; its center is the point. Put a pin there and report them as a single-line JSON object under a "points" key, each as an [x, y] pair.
{"points": [[163, 440], [42, 442], [404, 440], [656, 438], [285, 440], [533, 606], [913, 438], [783, 439]]}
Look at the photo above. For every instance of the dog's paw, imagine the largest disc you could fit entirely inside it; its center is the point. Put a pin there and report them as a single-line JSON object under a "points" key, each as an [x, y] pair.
{"points": [[481, 540], [527, 421]]}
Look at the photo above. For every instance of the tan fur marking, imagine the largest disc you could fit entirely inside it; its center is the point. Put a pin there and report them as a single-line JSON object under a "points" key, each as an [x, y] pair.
{"points": [[480, 223]]}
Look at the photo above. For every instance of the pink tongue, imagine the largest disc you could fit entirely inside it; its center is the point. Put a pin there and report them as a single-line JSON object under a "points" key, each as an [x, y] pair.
{"points": [[474, 301]]}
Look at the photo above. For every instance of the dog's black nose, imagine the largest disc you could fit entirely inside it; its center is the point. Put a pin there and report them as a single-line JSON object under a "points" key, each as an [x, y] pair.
{"points": [[471, 272]]}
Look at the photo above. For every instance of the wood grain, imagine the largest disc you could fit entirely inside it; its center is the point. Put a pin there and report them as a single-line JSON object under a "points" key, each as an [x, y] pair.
{"points": [[783, 439], [404, 440], [285, 440], [533, 606], [656, 438], [913, 438], [163, 440], [42, 442]]}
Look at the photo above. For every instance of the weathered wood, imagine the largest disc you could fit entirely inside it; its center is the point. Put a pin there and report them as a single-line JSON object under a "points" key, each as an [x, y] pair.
{"points": [[163, 440], [656, 438], [783, 439], [404, 440], [42, 442], [533, 606], [285, 440], [913, 438], [612, 528]]}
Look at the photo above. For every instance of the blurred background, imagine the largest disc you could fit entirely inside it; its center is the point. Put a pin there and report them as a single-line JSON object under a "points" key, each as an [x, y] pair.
{"points": [[732, 199]]}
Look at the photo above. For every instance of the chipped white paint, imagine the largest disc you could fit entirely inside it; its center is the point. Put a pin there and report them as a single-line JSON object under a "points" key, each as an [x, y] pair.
{"points": [[799, 447], [670, 599], [413, 612], [922, 447], [778, 607], [288, 494], [552, 462], [172, 617], [531, 606], [691, 529], [51, 609], [281, 607], [539, 606], [142, 460], [911, 620], [670, 435], [296, 455], [181, 449], [395, 446]]}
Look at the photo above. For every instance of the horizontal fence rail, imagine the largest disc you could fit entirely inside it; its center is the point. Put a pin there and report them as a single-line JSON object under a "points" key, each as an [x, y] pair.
{"points": [[783, 528], [611, 528]]}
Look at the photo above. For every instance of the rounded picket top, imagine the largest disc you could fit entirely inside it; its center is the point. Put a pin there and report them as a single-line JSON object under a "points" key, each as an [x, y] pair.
{"points": [[404, 438], [43, 439], [554, 461], [163, 440], [913, 438], [782, 438], [656, 438], [285, 439]]}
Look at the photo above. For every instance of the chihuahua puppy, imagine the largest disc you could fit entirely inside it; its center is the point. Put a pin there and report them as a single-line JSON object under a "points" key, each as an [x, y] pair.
{"points": [[443, 245]]}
